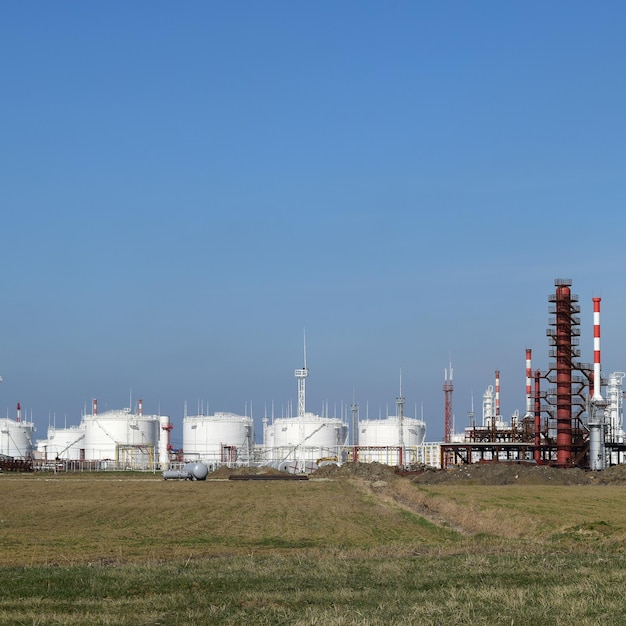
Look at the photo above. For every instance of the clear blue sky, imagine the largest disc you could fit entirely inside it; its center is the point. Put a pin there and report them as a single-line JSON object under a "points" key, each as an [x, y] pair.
{"points": [[186, 187]]}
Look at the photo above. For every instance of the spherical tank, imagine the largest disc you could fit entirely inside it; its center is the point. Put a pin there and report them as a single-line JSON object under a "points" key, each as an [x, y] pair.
{"points": [[16, 438], [129, 439], [219, 438]]}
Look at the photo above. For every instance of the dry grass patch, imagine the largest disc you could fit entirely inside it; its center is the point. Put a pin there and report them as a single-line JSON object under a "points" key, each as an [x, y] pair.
{"points": [[93, 521], [375, 550], [531, 511]]}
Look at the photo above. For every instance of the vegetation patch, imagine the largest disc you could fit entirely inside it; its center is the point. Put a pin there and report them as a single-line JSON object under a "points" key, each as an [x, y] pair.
{"points": [[351, 549]]}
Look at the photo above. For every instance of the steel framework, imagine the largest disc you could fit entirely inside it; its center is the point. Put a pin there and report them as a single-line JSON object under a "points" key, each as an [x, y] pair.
{"points": [[561, 439]]}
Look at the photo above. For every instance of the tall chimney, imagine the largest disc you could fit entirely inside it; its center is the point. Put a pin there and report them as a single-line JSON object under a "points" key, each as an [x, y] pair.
{"points": [[597, 383], [529, 383], [498, 395]]}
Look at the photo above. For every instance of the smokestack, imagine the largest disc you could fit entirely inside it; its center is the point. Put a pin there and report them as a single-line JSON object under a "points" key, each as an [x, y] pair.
{"points": [[596, 350], [19, 413], [95, 406], [497, 395], [140, 406], [529, 383]]}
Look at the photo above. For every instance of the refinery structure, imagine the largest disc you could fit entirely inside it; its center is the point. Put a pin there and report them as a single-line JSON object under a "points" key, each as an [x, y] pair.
{"points": [[568, 421], [573, 418]]}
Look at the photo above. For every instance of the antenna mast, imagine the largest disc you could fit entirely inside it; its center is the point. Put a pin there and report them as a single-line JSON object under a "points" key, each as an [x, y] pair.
{"points": [[301, 375], [400, 406]]}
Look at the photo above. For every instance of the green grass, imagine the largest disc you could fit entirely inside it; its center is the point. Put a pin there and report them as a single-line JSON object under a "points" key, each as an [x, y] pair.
{"points": [[340, 588], [127, 551]]}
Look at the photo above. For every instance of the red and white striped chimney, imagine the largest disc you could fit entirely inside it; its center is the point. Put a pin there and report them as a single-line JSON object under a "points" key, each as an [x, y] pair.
{"points": [[497, 393], [596, 350], [95, 406], [140, 406], [529, 383], [19, 412]]}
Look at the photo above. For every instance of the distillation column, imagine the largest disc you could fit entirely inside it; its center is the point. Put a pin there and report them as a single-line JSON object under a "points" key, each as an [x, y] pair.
{"points": [[564, 339], [614, 396]]}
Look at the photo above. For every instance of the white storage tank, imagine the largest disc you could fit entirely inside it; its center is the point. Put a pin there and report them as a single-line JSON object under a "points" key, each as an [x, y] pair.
{"points": [[67, 444], [16, 438], [218, 439], [379, 440], [307, 439], [129, 440]]}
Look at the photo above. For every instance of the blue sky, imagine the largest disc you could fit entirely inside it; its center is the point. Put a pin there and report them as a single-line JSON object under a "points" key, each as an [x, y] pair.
{"points": [[186, 187]]}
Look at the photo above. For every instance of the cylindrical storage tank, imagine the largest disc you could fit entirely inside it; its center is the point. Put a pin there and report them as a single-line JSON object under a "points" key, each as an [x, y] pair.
{"points": [[16, 438], [306, 439], [379, 440], [129, 440], [222, 438], [67, 444]]}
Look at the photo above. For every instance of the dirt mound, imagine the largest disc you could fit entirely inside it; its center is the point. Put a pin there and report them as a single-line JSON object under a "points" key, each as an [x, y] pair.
{"points": [[611, 476], [476, 474], [226, 472], [368, 471], [506, 474]]}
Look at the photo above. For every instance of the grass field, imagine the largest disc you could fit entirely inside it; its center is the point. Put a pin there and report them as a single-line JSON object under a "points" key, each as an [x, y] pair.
{"points": [[133, 549]]}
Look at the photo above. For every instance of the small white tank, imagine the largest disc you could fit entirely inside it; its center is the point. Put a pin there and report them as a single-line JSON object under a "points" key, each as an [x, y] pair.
{"points": [[16, 438], [67, 444], [379, 440], [222, 438], [306, 439], [128, 439]]}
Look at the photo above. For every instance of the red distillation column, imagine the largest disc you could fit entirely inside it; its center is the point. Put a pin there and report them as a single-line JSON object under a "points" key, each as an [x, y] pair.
{"points": [[563, 345]]}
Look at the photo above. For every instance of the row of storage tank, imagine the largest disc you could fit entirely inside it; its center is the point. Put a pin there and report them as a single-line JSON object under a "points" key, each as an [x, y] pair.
{"points": [[124, 439]]}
